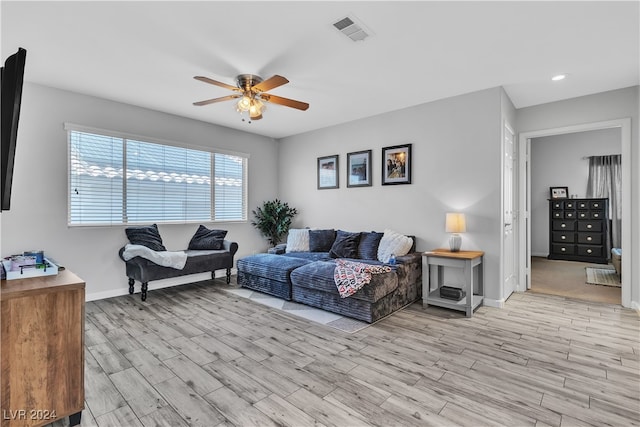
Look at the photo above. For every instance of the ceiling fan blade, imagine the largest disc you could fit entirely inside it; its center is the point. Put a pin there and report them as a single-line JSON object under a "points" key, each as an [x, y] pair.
{"points": [[270, 83], [285, 101], [217, 83], [214, 100]]}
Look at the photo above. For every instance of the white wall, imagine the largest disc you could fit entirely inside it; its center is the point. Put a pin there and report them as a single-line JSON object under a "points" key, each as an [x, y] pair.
{"points": [[456, 167], [559, 161], [617, 104], [38, 215]]}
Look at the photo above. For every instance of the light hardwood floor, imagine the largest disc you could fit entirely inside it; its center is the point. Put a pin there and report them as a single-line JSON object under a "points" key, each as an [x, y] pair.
{"points": [[195, 355]]}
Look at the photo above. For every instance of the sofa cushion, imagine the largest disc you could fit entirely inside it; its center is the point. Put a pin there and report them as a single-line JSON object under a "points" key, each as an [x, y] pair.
{"points": [[275, 267], [345, 245], [321, 240], [146, 235], [298, 240], [319, 277], [393, 243], [368, 247], [310, 256], [206, 239]]}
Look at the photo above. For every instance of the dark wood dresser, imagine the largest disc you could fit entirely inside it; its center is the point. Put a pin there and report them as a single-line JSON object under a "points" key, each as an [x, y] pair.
{"points": [[578, 230]]}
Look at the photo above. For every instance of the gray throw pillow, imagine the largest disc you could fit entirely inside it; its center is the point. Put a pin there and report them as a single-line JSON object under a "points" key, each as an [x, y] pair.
{"points": [[146, 235], [206, 239], [321, 240], [345, 245], [368, 247]]}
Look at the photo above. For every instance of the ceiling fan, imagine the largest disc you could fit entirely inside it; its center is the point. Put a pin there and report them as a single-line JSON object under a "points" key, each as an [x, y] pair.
{"points": [[252, 92]]}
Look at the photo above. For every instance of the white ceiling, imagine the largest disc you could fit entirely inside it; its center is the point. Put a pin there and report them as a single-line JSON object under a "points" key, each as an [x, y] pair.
{"points": [[146, 53]]}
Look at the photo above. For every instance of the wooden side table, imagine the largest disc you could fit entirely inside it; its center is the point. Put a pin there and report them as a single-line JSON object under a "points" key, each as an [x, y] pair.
{"points": [[42, 355], [469, 261]]}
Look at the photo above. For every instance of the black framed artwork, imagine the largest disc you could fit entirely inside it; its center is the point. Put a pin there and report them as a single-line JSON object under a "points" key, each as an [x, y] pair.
{"points": [[328, 176], [558, 192], [359, 169], [396, 165]]}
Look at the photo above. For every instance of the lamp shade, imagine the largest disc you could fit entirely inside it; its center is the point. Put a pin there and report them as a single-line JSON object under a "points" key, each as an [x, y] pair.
{"points": [[456, 223]]}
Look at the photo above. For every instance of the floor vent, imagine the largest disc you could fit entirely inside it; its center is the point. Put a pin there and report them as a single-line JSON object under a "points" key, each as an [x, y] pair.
{"points": [[351, 29]]}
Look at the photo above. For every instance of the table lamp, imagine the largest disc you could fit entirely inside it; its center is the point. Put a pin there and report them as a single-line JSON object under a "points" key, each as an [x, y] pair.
{"points": [[455, 224]]}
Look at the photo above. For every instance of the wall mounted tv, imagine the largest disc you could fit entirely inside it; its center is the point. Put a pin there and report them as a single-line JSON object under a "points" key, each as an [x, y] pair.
{"points": [[11, 79]]}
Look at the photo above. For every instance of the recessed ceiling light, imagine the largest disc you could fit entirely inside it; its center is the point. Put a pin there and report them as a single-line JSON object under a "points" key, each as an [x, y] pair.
{"points": [[559, 77]]}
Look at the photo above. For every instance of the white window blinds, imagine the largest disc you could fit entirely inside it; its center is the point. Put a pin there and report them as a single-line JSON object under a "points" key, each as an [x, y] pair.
{"points": [[162, 183], [95, 179]]}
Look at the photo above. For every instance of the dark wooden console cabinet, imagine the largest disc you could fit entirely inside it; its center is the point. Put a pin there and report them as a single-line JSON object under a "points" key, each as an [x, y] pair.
{"points": [[578, 230], [42, 350]]}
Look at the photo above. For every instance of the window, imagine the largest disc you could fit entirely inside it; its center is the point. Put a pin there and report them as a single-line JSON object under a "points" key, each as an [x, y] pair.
{"points": [[162, 183]]}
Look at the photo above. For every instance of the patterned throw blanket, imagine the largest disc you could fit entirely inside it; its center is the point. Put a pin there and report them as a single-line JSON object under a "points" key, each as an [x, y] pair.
{"points": [[351, 276]]}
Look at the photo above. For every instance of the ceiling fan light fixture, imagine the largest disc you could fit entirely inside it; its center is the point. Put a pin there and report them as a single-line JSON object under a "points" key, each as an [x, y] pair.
{"points": [[256, 108], [244, 103], [251, 91]]}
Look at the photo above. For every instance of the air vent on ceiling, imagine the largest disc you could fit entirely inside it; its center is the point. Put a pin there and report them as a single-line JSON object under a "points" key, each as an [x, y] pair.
{"points": [[351, 29]]}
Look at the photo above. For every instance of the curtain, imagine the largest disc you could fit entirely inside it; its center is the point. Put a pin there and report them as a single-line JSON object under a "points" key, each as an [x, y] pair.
{"points": [[605, 181]]}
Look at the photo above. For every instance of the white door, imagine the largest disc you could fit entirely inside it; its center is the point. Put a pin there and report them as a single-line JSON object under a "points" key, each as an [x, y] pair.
{"points": [[508, 203]]}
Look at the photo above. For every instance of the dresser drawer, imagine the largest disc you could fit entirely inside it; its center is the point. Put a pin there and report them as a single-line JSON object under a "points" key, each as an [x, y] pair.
{"points": [[564, 225], [557, 214], [583, 205], [560, 249], [590, 238], [559, 237], [590, 251], [570, 214], [597, 214], [557, 205], [589, 225], [596, 205], [584, 215]]}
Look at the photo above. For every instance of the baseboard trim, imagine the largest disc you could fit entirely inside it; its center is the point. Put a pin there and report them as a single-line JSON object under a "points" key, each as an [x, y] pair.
{"points": [[497, 303], [635, 306], [156, 284]]}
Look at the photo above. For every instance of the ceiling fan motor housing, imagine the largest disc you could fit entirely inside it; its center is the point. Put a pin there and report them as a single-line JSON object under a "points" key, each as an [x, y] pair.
{"points": [[246, 81]]}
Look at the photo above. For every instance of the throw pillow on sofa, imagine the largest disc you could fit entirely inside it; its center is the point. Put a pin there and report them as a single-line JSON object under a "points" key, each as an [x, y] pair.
{"points": [[345, 245], [205, 239], [145, 235], [368, 247], [321, 240], [393, 243], [298, 240]]}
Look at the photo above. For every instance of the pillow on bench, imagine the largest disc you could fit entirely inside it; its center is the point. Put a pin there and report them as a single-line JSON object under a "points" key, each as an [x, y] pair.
{"points": [[146, 235], [205, 239]]}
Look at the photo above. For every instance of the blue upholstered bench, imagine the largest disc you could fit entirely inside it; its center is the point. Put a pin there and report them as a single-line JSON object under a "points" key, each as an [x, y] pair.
{"points": [[268, 273]]}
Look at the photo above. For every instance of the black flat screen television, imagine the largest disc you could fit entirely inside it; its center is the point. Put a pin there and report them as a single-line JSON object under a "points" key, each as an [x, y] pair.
{"points": [[11, 79]]}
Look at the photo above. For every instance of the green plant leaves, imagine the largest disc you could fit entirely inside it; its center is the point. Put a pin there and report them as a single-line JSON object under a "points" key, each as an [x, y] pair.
{"points": [[273, 220]]}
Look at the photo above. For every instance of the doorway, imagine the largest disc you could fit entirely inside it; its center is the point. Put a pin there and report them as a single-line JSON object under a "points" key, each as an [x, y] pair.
{"points": [[525, 196]]}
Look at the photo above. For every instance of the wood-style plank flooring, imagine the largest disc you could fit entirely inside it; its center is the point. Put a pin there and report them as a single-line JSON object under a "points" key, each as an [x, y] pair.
{"points": [[195, 355]]}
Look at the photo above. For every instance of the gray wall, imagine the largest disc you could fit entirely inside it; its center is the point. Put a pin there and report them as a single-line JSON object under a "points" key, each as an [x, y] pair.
{"points": [[456, 160], [456, 167], [617, 104], [558, 161], [37, 219]]}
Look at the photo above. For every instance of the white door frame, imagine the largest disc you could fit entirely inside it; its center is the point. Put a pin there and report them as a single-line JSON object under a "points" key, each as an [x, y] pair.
{"points": [[513, 214], [524, 197]]}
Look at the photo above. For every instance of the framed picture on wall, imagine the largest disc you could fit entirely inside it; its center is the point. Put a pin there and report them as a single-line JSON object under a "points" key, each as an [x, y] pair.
{"points": [[359, 169], [559, 192], [328, 172], [396, 164]]}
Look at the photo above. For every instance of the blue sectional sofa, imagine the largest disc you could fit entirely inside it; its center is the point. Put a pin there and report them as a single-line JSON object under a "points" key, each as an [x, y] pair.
{"points": [[307, 277]]}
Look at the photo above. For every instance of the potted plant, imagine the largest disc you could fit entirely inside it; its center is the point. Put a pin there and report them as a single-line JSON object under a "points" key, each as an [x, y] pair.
{"points": [[273, 220]]}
